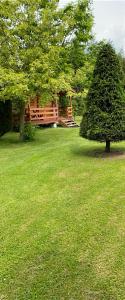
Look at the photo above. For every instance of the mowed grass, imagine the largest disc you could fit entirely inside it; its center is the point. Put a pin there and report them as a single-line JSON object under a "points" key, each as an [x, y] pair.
{"points": [[62, 206]]}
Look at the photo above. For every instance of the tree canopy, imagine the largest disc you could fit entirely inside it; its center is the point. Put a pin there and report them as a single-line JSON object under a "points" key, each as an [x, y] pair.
{"points": [[42, 46]]}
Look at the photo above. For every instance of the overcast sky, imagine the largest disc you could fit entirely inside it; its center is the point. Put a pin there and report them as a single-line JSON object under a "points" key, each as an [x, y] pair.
{"points": [[109, 20]]}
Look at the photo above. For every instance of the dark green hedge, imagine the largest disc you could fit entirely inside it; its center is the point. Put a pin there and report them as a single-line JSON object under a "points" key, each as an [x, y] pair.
{"points": [[5, 117]]}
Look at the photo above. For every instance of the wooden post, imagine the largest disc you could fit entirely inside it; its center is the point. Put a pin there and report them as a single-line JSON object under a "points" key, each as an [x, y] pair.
{"points": [[57, 107], [71, 101], [37, 97], [29, 116]]}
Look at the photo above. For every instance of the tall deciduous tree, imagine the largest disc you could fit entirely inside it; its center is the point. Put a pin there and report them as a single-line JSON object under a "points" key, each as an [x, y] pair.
{"points": [[37, 44], [77, 50], [104, 119]]}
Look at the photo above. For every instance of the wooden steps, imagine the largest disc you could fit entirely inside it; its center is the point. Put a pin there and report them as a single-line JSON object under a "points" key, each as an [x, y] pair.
{"points": [[68, 123]]}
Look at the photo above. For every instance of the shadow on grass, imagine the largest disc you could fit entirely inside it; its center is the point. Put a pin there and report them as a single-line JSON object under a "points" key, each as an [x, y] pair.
{"points": [[11, 139], [99, 151], [8, 138], [43, 136]]}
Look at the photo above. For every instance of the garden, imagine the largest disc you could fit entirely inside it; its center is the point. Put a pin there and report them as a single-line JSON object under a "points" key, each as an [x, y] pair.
{"points": [[62, 155]]}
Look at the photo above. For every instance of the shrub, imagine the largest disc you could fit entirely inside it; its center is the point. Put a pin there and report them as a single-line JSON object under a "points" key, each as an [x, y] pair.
{"points": [[29, 132]]}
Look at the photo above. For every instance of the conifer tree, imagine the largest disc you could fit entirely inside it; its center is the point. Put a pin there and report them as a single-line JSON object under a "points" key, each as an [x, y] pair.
{"points": [[104, 118]]}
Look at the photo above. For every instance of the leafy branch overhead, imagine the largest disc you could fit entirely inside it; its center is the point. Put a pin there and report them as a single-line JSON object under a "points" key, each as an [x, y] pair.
{"points": [[42, 43]]}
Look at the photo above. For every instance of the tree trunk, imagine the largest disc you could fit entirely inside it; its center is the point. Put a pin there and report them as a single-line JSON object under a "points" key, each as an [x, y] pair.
{"points": [[11, 117], [22, 119], [107, 148]]}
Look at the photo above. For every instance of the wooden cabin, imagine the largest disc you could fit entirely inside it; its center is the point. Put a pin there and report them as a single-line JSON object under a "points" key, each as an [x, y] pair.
{"points": [[53, 113]]}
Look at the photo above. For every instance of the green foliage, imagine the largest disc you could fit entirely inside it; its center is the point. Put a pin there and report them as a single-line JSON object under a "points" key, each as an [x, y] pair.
{"points": [[122, 60], [44, 44], [78, 23], [29, 132], [83, 77], [38, 42], [13, 85], [63, 101], [104, 118], [78, 104], [42, 47], [80, 84]]}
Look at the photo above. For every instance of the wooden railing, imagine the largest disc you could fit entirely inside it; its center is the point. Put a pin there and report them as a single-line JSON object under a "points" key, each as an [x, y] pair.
{"points": [[47, 115], [42, 115], [66, 113]]}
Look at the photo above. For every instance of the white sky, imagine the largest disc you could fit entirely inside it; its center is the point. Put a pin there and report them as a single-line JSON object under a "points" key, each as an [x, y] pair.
{"points": [[109, 20]]}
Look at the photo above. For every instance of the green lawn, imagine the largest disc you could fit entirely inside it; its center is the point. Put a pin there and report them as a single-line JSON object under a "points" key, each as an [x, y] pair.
{"points": [[62, 206]]}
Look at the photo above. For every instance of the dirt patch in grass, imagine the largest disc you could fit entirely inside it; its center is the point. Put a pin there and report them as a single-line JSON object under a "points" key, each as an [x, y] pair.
{"points": [[111, 155], [99, 153]]}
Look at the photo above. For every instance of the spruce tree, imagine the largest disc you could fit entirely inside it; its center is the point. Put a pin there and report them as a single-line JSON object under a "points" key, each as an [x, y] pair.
{"points": [[104, 117]]}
